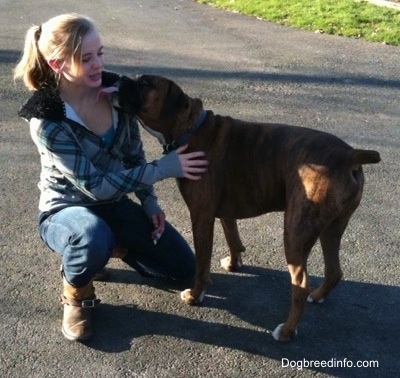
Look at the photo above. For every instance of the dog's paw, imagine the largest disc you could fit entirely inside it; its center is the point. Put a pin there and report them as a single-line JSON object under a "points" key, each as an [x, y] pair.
{"points": [[230, 266], [277, 334], [189, 299], [310, 299]]}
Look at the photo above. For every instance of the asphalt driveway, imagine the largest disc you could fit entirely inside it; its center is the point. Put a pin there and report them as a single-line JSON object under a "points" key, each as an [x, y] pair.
{"points": [[248, 69]]}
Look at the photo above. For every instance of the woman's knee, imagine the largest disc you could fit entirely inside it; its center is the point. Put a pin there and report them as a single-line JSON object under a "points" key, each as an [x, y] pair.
{"points": [[93, 243], [85, 242]]}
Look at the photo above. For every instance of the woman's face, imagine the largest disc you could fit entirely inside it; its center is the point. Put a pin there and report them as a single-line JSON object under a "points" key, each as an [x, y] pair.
{"points": [[88, 72]]}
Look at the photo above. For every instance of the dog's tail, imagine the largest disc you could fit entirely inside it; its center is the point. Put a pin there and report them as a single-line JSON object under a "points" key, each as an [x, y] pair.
{"points": [[359, 157]]}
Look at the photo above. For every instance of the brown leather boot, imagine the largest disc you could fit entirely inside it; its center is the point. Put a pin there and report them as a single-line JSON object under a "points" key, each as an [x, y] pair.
{"points": [[78, 304]]}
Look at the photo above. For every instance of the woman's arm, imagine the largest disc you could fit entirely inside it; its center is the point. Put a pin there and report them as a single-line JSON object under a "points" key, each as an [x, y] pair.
{"points": [[62, 149]]}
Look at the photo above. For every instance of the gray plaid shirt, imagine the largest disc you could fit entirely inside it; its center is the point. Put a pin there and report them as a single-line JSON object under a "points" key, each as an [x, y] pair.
{"points": [[78, 168]]}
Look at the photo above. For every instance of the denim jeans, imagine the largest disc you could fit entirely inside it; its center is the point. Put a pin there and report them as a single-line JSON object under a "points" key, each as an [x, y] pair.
{"points": [[86, 236]]}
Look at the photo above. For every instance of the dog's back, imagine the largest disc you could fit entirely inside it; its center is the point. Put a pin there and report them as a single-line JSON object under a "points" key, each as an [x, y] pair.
{"points": [[255, 167]]}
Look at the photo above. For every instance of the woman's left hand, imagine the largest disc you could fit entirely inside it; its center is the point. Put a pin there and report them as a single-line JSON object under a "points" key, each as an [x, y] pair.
{"points": [[158, 221]]}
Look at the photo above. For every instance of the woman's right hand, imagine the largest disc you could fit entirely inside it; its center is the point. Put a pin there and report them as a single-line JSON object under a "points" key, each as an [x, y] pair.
{"points": [[193, 164]]}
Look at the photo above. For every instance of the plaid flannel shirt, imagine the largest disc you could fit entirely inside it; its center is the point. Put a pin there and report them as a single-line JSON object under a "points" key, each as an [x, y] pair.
{"points": [[78, 168]]}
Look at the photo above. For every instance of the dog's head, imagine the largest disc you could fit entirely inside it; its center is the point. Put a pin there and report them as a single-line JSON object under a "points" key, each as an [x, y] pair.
{"points": [[166, 111]]}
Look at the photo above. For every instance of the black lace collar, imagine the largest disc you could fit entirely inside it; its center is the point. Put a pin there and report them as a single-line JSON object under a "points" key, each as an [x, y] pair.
{"points": [[46, 103]]}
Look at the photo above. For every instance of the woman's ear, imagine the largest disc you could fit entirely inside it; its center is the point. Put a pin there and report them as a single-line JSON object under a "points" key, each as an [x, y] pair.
{"points": [[55, 65]]}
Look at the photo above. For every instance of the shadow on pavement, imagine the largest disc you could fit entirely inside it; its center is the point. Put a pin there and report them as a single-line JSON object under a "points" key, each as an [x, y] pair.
{"points": [[258, 299]]}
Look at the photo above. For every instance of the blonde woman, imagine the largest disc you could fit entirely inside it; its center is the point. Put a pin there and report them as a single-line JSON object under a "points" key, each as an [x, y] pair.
{"points": [[91, 157]]}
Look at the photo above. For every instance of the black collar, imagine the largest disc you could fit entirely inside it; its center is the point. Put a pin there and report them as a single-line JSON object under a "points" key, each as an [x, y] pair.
{"points": [[184, 138]]}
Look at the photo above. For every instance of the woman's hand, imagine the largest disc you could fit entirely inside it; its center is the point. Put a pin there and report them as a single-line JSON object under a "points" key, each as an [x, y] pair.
{"points": [[158, 221], [192, 163]]}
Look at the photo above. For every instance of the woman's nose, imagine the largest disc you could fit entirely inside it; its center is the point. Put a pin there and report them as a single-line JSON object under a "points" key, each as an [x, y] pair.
{"points": [[99, 61]]}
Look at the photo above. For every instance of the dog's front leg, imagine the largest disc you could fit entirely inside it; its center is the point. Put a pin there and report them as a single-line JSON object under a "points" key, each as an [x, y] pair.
{"points": [[203, 234], [231, 231]]}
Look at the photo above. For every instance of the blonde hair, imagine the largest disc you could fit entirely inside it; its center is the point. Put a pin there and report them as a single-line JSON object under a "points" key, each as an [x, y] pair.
{"points": [[59, 38]]}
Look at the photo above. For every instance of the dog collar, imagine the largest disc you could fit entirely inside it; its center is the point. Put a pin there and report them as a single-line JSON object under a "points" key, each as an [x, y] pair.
{"points": [[183, 139]]}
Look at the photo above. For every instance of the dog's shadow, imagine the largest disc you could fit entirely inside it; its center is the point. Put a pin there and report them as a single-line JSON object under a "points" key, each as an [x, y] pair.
{"points": [[358, 321]]}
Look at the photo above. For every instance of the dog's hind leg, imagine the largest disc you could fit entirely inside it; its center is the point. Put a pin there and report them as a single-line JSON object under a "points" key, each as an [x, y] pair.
{"points": [[330, 243], [300, 236], [234, 261]]}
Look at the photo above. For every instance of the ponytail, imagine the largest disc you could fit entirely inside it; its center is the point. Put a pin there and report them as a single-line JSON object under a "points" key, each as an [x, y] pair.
{"points": [[33, 68]]}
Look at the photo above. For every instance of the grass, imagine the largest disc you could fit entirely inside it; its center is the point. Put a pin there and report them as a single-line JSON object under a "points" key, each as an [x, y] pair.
{"points": [[347, 18]]}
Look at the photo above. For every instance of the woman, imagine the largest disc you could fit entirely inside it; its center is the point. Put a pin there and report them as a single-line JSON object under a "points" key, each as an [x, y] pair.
{"points": [[91, 158]]}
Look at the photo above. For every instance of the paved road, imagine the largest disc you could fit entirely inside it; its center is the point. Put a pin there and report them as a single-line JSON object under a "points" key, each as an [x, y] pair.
{"points": [[251, 70]]}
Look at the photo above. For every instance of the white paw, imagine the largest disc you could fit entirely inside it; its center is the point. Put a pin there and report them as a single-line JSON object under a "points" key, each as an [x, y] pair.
{"points": [[183, 294], [226, 263], [187, 292], [276, 334], [310, 300]]}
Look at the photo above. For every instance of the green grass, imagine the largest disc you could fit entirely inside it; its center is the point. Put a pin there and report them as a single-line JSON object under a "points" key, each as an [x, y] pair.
{"points": [[347, 18]]}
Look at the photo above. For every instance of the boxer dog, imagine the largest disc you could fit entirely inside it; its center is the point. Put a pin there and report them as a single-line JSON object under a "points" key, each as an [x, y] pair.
{"points": [[315, 178]]}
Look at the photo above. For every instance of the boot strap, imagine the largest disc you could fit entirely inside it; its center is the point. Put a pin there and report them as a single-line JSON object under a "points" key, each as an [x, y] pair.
{"points": [[87, 303]]}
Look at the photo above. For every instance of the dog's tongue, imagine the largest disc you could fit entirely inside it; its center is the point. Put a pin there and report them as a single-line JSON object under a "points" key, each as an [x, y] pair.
{"points": [[105, 91]]}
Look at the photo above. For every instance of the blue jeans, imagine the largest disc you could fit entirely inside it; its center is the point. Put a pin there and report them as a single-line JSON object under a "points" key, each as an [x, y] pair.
{"points": [[86, 236]]}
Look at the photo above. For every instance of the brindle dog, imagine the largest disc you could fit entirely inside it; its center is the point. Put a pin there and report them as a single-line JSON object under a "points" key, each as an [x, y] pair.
{"points": [[256, 168]]}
